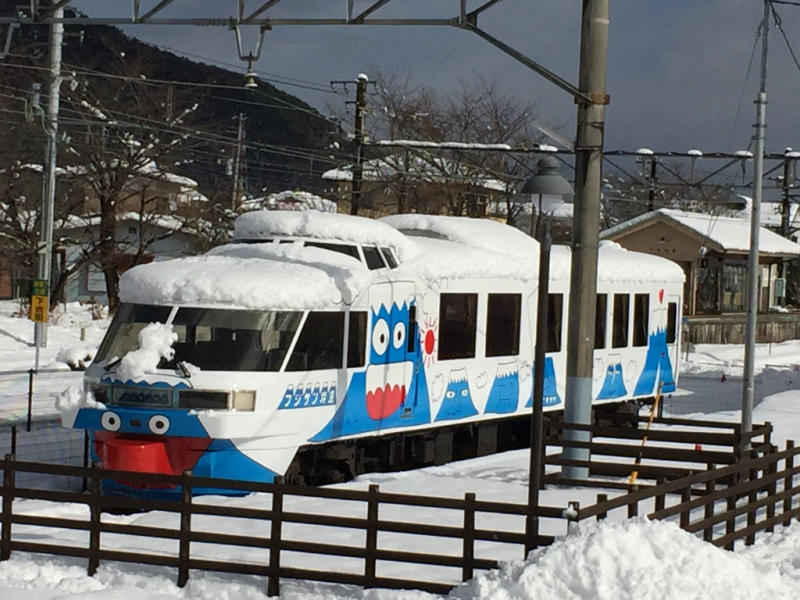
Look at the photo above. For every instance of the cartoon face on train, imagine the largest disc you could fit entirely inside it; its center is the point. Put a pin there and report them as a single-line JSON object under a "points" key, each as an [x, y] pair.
{"points": [[391, 359]]}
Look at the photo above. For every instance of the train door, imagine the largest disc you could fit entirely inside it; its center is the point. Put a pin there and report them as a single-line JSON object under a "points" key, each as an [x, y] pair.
{"points": [[390, 397], [673, 327]]}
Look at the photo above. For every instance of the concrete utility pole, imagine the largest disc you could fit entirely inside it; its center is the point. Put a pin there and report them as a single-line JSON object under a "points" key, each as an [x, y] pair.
{"points": [[47, 206], [789, 158], [586, 228], [237, 164], [651, 192], [361, 105], [748, 379]]}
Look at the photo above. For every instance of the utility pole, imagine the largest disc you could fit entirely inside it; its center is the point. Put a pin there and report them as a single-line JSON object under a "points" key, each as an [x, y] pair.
{"points": [[651, 192], [47, 207], [237, 164], [789, 158], [748, 379], [586, 228], [358, 172]]}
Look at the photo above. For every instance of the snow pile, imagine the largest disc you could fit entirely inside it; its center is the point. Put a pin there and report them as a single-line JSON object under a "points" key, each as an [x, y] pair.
{"points": [[71, 400], [155, 343], [290, 200], [635, 559], [259, 276], [478, 233], [77, 357], [314, 224]]}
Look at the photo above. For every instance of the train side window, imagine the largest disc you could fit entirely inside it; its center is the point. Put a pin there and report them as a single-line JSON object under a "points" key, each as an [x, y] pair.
{"points": [[601, 316], [672, 322], [502, 324], [357, 339], [457, 325], [341, 248], [555, 310], [319, 345], [373, 258], [619, 334], [641, 319], [388, 256]]}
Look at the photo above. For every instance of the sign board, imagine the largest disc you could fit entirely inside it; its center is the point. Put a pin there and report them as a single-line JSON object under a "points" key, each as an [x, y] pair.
{"points": [[40, 287], [39, 309]]}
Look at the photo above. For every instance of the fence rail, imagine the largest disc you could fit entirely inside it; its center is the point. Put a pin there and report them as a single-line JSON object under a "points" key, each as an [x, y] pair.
{"points": [[269, 537]]}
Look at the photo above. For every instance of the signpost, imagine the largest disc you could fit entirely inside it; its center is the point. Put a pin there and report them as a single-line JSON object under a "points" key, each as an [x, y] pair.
{"points": [[38, 312]]}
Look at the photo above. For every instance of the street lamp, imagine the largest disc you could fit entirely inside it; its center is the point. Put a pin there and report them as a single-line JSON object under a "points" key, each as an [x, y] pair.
{"points": [[547, 181]]}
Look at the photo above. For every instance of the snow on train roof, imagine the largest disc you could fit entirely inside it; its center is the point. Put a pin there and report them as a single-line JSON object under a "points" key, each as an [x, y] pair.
{"points": [[479, 233], [262, 276], [314, 224]]}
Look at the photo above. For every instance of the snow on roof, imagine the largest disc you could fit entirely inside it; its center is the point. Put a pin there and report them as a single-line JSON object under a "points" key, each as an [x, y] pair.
{"points": [[167, 222], [314, 224], [432, 169], [727, 233], [255, 276], [290, 200], [478, 233]]}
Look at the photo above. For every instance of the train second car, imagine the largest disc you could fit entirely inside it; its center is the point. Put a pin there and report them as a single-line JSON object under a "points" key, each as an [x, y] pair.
{"points": [[315, 346]]}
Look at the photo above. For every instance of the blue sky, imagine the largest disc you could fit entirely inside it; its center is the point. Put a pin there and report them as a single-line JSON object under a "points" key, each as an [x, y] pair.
{"points": [[676, 69]]}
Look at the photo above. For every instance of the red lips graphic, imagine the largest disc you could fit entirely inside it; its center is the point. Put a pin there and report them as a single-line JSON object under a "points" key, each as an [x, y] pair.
{"points": [[382, 402]]}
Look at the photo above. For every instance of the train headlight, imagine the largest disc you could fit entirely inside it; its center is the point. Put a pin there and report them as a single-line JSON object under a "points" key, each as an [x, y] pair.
{"points": [[110, 421], [244, 400], [158, 424]]}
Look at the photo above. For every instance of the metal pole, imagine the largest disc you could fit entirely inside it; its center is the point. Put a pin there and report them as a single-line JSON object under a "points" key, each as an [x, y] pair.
{"points": [[586, 229], [361, 105], [537, 426], [748, 380], [48, 197], [237, 165]]}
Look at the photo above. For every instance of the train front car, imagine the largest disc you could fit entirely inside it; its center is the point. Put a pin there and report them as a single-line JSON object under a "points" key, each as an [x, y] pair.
{"points": [[208, 358]]}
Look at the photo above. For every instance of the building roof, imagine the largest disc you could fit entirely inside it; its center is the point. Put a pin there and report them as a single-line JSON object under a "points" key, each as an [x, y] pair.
{"points": [[722, 234]]}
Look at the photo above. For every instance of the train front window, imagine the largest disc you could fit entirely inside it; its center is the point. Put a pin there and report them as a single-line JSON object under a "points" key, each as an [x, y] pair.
{"points": [[123, 333], [232, 340]]}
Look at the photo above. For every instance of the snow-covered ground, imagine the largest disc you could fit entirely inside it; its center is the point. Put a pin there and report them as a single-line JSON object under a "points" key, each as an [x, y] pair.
{"points": [[613, 559]]}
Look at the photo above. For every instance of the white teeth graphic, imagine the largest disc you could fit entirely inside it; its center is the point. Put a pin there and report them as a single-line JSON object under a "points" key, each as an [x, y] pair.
{"points": [[393, 374]]}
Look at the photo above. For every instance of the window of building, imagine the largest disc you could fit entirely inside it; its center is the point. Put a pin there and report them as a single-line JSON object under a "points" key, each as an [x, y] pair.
{"points": [[95, 280], [555, 310], [619, 333], [601, 316], [457, 325], [641, 319], [373, 258], [672, 322], [319, 345], [357, 339], [502, 324]]}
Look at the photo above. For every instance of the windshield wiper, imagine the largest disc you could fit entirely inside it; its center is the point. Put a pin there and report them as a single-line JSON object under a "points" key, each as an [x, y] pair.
{"points": [[184, 369], [112, 364]]}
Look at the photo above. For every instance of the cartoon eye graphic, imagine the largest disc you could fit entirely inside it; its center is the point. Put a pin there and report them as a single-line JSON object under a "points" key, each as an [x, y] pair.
{"points": [[110, 420], [465, 392], [450, 393], [399, 335], [158, 424], [380, 337]]}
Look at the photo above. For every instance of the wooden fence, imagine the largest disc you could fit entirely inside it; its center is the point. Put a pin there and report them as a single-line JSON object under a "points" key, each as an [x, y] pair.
{"points": [[724, 504], [267, 533]]}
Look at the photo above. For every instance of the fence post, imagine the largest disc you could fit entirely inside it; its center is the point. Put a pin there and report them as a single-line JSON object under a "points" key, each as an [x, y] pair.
{"points": [[94, 521], [85, 484], [30, 399], [468, 548], [788, 482], [371, 545], [14, 440], [730, 524], [602, 498], [660, 498], [633, 506], [8, 499], [273, 585], [185, 528], [572, 514], [686, 495], [708, 507], [772, 489]]}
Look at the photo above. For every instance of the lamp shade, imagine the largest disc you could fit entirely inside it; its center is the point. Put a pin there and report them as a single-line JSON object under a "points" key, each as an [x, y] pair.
{"points": [[548, 180]]}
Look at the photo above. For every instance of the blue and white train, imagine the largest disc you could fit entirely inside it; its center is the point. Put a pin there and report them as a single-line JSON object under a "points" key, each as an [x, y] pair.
{"points": [[316, 346]]}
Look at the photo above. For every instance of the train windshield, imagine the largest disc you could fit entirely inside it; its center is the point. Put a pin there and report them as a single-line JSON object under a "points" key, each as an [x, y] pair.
{"points": [[209, 338], [233, 340]]}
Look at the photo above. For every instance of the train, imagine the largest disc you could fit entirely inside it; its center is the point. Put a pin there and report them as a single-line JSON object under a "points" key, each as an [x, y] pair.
{"points": [[316, 346]]}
